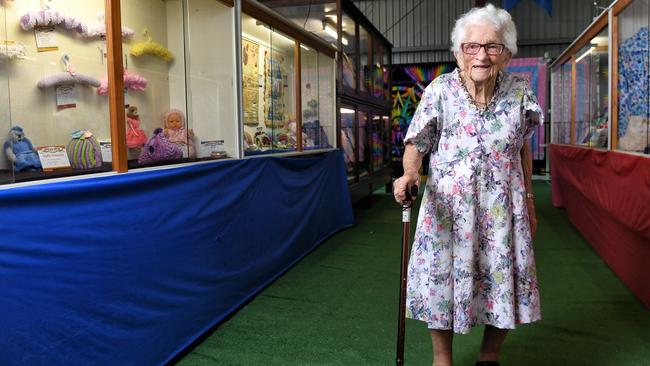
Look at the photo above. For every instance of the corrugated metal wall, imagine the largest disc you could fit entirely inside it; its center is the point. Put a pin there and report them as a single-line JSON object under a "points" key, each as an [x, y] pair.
{"points": [[420, 29]]}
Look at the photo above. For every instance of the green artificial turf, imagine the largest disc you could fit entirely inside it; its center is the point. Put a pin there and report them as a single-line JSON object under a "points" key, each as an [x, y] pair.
{"points": [[338, 306]]}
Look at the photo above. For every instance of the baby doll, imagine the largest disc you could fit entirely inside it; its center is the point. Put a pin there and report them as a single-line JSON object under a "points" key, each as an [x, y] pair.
{"points": [[135, 136], [20, 152], [176, 132]]}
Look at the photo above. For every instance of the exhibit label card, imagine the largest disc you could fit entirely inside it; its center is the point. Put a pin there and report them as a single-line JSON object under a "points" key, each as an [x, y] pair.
{"points": [[107, 150], [53, 157], [65, 97], [213, 148], [45, 39]]}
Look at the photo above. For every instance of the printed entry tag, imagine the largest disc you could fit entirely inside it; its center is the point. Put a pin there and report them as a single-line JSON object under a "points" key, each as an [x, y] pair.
{"points": [[53, 157], [45, 39], [65, 97]]}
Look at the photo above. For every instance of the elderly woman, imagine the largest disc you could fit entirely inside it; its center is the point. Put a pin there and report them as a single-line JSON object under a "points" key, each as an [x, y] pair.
{"points": [[472, 258]]}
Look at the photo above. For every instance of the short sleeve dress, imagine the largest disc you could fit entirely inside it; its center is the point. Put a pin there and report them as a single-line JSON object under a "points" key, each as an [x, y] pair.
{"points": [[472, 259]]}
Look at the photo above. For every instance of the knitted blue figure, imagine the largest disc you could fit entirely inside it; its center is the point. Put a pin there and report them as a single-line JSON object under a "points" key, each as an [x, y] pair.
{"points": [[19, 150]]}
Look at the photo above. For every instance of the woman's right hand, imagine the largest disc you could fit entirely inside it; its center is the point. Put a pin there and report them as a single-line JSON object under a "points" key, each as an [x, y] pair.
{"points": [[401, 184]]}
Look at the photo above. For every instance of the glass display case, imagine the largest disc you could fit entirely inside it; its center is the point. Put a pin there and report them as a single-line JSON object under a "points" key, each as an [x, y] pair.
{"points": [[365, 82], [633, 130], [177, 62], [53, 120], [349, 53], [364, 143], [599, 105], [349, 139]]}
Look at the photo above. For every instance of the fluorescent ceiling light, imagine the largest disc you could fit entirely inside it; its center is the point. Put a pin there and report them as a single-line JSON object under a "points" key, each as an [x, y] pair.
{"points": [[332, 32], [347, 111], [590, 50]]}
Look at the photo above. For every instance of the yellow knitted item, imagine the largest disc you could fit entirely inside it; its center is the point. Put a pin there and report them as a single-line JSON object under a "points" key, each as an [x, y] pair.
{"points": [[150, 47]]}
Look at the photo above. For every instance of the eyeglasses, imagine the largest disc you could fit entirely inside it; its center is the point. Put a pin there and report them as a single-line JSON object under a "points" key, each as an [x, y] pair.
{"points": [[472, 48]]}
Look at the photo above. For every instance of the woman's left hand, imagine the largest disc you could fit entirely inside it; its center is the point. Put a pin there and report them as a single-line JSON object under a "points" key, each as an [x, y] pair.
{"points": [[532, 217]]}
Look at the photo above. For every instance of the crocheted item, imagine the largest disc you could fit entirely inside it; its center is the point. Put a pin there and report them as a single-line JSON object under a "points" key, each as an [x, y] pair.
{"points": [[12, 51], [159, 148], [20, 151], [50, 18], [84, 151], [99, 31], [132, 81], [150, 47], [65, 78]]}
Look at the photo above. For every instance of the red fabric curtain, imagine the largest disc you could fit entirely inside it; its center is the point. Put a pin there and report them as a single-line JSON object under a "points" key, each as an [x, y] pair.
{"points": [[607, 197]]}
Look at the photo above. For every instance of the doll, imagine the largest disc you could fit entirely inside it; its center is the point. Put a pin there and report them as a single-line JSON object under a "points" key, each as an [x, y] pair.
{"points": [[20, 151], [135, 136], [176, 132]]}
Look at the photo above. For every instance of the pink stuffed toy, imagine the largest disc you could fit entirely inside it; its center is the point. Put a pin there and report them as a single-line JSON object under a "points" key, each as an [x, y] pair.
{"points": [[176, 132]]}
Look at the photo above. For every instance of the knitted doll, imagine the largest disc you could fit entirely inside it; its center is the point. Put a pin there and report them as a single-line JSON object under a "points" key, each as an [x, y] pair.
{"points": [[176, 132], [20, 152], [135, 136]]}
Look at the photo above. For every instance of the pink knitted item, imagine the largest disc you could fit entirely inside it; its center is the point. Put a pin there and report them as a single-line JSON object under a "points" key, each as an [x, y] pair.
{"points": [[132, 81]]}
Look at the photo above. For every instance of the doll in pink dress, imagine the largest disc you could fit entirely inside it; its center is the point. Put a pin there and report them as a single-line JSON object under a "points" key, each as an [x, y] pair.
{"points": [[176, 132]]}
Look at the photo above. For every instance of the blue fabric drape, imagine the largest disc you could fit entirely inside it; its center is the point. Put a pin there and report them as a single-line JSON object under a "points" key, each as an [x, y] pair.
{"points": [[130, 269], [545, 4]]}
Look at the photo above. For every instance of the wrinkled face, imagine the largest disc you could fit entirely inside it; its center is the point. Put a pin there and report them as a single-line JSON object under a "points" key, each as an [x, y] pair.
{"points": [[174, 122], [482, 67]]}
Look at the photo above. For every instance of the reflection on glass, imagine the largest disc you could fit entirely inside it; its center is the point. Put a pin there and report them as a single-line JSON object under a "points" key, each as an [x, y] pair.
{"points": [[364, 67], [349, 54], [376, 143], [348, 139], [268, 89], [310, 90], [57, 128], [385, 69], [583, 86], [634, 78], [378, 69], [566, 92], [212, 98], [326, 102], [364, 148], [387, 129], [558, 105], [316, 18]]}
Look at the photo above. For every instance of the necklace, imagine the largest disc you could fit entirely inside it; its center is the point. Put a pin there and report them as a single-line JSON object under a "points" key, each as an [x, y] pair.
{"points": [[480, 106]]}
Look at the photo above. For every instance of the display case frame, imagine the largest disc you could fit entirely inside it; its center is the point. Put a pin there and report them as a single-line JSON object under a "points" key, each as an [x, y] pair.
{"points": [[609, 21], [115, 69]]}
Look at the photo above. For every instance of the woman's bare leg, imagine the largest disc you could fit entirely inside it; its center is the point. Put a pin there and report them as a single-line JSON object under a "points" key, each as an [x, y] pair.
{"points": [[493, 338], [442, 340]]}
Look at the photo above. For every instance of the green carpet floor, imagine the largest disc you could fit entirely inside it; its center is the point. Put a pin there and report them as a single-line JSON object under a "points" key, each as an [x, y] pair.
{"points": [[338, 306]]}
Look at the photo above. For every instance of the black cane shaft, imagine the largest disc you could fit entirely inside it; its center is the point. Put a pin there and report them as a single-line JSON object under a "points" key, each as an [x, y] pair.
{"points": [[402, 295]]}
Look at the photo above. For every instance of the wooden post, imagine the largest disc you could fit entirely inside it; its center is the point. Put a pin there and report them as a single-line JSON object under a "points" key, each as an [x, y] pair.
{"points": [[116, 85]]}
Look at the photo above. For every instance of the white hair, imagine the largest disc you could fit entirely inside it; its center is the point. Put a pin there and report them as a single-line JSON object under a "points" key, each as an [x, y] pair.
{"points": [[489, 14]]}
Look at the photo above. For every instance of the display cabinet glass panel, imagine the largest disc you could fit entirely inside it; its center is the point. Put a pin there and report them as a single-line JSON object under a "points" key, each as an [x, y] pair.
{"points": [[314, 17], [565, 134], [364, 61], [53, 121], [557, 103], [309, 76], [211, 81], [378, 69], [349, 56], [268, 89], [348, 139], [365, 149], [387, 130], [156, 53], [583, 95], [326, 101], [634, 78], [386, 65], [377, 143], [280, 88]]}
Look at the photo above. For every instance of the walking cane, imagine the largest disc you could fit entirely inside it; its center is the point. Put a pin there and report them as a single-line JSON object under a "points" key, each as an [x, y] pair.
{"points": [[406, 219]]}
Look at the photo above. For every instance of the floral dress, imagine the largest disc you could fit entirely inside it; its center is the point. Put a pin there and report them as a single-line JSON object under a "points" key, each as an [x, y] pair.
{"points": [[472, 258]]}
